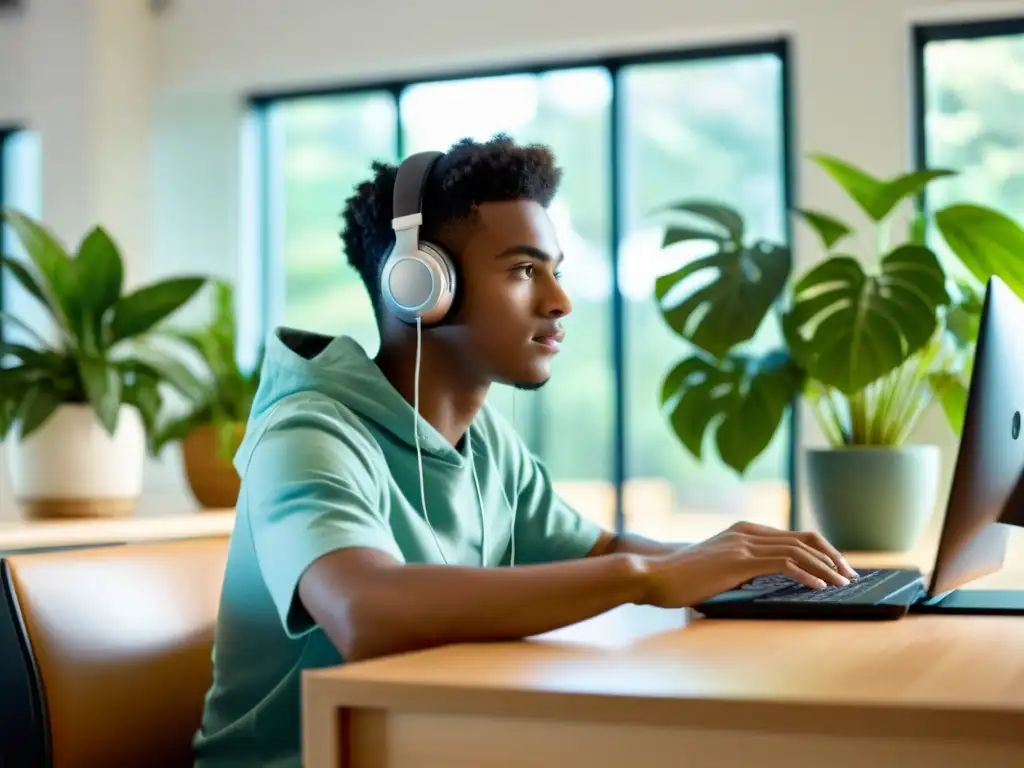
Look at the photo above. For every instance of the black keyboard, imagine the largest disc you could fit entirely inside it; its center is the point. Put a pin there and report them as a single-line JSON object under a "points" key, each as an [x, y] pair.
{"points": [[789, 590]]}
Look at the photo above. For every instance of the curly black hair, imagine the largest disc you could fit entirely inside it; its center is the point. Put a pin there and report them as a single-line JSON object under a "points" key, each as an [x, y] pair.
{"points": [[469, 173]]}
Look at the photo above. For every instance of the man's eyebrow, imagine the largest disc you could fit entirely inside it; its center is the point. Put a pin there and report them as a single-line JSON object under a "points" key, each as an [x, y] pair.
{"points": [[529, 250]]}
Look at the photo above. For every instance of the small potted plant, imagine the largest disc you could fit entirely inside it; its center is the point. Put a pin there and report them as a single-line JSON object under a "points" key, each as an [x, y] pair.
{"points": [[212, 427], [80, 398], [868, 342]]}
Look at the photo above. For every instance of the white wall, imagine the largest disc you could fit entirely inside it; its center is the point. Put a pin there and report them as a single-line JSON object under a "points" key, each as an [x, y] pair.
{"points": [[266, 43], [851, 76], [12, 98]]}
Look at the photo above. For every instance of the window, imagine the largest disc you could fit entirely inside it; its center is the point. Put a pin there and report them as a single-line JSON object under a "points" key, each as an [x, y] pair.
{"points": [[630, 135], [711, 130], [20, 175], [317, 150], [568, 110], [971, 103]]}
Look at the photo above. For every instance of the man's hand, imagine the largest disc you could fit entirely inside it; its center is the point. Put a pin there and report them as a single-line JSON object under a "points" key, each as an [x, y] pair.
{"points": [[738, 554]]}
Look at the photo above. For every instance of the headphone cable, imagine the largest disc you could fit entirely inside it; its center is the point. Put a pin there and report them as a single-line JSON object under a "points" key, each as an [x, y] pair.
{"points": [[416, 434]]}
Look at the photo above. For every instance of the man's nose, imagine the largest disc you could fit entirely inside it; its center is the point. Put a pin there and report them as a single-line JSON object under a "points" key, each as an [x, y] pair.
{"points": [[556, 301]]}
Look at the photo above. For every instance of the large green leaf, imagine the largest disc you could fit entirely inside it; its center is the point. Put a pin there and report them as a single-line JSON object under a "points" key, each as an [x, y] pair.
{"points": [[224, 331], [170, 370], [917, 228], [45, 250], [53, 264], [39, 404], [30, 356], [16, 380], [7, 317], [963, 318], [139, 311], [720, 216], [223, 309], [679, 234], [99, 275], [177, 428], [8, 410], [23, 276], [853, 327], [216, 356], [951, 393], [830, 229], [142, 390], [730, 307], [746, 396], [734, 287], [877, 197], [197, 340], [103, 388], [986, 241]]}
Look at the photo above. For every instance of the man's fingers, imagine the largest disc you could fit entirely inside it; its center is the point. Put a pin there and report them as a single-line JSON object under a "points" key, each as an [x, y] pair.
{"points": [[783, 557], [819, 543], [790, 541], [795, 572], [811, 540]]}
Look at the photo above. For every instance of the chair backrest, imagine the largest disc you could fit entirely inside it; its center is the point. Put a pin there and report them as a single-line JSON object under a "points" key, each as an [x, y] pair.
{"points": [[105, 653]]}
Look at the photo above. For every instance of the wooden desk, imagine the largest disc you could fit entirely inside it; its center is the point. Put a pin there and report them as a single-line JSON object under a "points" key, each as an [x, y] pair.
{"points": [[23, 535], [643, 687]]}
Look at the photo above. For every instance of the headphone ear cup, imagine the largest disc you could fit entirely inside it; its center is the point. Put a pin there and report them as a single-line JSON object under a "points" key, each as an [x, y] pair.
{"points": [[444, 269], [420, 284]]}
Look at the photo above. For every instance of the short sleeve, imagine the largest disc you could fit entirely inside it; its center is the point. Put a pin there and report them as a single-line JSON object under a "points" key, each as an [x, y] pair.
{"points": [[547, 529], [309, 490]]}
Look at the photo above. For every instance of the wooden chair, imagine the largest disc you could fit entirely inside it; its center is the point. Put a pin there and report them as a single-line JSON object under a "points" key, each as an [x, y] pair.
{"points": [[105, 653]]}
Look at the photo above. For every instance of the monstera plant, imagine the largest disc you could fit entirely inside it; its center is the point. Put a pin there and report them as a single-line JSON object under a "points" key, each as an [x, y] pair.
{"points": [[869, 335]]}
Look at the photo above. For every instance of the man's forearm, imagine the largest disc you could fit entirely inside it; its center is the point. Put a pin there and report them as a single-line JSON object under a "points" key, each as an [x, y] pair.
{"points": [[408, 607]]}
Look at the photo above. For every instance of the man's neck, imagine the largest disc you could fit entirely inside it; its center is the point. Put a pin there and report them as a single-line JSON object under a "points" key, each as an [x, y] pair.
{"points": [[449, 399]]}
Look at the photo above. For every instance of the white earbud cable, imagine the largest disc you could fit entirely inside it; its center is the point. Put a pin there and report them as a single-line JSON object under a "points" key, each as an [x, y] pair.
{"points": [[416, 434], [512, 532], [472, 458]]}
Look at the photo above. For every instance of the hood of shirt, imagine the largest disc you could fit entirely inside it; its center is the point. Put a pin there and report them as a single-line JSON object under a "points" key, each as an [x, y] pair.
{"points": [[338, 368]]}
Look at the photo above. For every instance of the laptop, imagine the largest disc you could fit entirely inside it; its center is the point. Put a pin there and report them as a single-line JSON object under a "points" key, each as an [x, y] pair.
{"points": [[986, 498]]}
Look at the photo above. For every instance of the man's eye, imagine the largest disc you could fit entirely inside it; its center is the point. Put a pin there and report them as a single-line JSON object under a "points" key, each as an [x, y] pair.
{"points": [[527, 270]]}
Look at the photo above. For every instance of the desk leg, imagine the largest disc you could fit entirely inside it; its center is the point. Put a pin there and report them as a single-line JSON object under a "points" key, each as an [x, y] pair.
{"points": [[323, 727], [382, 739]]}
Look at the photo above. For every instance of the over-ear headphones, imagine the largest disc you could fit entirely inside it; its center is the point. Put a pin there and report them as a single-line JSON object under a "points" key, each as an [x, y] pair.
{"points": [[418, 277]]}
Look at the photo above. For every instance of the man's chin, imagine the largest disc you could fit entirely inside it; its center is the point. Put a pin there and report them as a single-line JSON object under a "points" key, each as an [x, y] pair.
{"points": [[527, 378], [531, 386], [533, 380]]}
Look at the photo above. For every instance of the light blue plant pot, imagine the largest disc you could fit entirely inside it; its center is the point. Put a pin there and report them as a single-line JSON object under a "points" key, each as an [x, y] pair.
{"points": [[873, 498]]}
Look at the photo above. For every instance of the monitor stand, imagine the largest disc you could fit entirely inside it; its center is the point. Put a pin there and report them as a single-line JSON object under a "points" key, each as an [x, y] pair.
{"points": [[973, 602]]}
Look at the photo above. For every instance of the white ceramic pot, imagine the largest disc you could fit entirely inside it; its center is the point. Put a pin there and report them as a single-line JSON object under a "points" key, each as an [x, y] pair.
{"points": [[71, 466]]}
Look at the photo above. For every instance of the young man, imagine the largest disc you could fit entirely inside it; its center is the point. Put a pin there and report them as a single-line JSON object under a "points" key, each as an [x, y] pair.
{"points": [[339, 553]]}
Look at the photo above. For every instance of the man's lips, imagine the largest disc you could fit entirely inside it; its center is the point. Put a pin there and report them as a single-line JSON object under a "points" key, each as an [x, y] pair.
{"points": [[550, 340]]}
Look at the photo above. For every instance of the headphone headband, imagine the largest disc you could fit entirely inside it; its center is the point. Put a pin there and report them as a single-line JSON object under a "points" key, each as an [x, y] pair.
{"points": [[410, 182]]}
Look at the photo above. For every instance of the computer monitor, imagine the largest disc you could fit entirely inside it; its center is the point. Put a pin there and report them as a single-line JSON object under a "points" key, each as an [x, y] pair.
{"points": [[987, 493]]}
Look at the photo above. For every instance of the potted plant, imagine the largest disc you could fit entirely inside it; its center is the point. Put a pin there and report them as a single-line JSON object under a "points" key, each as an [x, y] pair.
{"points": [[212, 427], [80, 399], [869, 342]]}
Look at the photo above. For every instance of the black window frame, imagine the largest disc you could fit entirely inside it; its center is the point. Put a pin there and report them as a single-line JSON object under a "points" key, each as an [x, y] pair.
{"points": [[260, 103]]}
